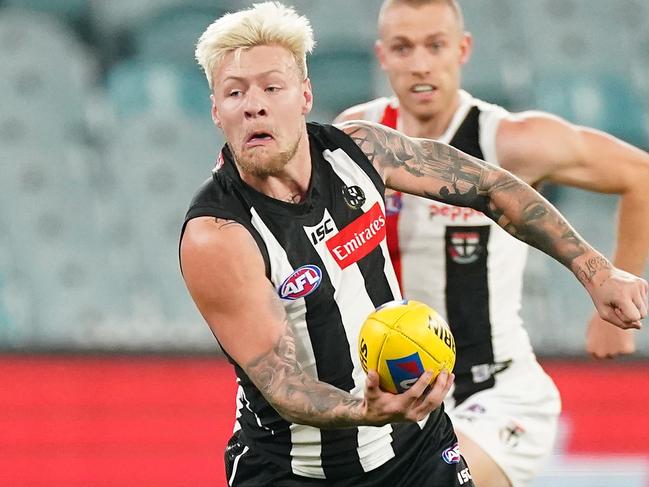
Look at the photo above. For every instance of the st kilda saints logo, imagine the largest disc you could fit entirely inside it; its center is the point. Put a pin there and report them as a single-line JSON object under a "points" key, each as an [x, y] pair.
{"points": [[464, 247], [353, 196]]}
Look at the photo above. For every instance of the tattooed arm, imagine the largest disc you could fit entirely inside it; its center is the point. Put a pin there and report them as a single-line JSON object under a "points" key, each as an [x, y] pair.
{"points": [[438, 171], [219, 259]]}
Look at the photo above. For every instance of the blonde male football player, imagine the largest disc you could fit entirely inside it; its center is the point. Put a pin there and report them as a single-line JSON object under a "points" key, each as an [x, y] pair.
{"points": [[283, 251], [504, 407]]}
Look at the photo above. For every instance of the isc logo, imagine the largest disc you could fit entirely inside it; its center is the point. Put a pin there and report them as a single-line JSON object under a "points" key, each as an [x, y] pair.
{"points": [[302, 282], [321, 231]]}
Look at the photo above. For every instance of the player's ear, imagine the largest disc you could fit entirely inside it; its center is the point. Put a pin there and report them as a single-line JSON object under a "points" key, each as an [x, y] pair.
{"points": [[466, 47], [379, 51], [215, 113], [307, 92]]}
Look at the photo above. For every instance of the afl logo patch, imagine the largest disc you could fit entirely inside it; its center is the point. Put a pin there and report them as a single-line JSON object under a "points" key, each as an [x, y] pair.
{"points": [[353, 196], [451, 455], [302, 282]]}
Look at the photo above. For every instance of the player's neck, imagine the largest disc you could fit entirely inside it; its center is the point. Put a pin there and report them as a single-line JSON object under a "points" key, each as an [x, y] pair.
{"points": [[429, 128]]}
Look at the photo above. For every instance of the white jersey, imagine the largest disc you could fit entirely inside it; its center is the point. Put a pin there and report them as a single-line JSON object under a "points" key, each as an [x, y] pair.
{"points": [[459, 261]]}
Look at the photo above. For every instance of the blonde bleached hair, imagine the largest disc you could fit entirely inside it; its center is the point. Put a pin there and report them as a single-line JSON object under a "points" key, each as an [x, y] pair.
{"points": [[264, 24]]}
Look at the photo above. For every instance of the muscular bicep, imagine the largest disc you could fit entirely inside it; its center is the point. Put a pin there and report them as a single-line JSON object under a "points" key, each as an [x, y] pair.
{"points": [[225, 275], [537, 146]]}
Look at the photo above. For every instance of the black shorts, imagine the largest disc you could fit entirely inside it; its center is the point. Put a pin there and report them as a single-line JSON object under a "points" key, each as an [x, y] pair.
{"points": [[429, 465]]}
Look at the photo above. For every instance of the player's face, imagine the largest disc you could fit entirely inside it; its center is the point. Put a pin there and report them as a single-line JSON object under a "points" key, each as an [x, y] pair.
{"points": [[422, 50], [259, 101]]}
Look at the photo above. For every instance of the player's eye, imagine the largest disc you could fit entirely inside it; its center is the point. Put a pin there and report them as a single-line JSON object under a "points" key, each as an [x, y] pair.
{"points": [[436, 46], [401, 49], [272, 89]]}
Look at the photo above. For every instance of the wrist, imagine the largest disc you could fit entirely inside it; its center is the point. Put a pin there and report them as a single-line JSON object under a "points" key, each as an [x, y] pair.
{"points": [[592, 269]]}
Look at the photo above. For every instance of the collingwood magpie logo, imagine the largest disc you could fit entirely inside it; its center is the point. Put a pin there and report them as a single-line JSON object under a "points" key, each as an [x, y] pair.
{"points": [[353, 196]]}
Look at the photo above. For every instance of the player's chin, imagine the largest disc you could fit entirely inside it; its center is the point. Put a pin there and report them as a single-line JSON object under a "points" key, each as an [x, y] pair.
{"points": [[264, 163], [423, 110]]}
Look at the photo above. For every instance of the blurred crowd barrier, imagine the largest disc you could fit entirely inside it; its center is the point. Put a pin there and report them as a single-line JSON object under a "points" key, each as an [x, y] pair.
{"points": [[165, 421], [105, 133]]}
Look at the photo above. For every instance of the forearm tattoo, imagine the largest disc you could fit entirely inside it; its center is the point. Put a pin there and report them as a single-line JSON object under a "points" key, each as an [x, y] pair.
{"points": [[587, 270], [459, 179], [295, 395], [422, 157]]}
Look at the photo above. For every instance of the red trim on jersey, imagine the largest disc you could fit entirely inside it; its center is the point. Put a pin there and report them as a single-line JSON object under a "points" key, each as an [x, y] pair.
{"points": [[389, 119], [390, 116]]}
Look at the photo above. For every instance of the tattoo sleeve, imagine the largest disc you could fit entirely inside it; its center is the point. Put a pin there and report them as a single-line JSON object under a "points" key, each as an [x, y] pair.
{"points": [[295, 395], [438, 171]]}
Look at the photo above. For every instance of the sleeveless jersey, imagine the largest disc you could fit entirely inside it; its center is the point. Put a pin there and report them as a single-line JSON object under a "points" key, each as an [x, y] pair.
{"points": [[459, 261], [328, 259]]}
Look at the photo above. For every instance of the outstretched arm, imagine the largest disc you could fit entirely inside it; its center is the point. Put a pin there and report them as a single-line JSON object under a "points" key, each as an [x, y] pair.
{"points": [[438, 171], [219, 259], [538, 146]]}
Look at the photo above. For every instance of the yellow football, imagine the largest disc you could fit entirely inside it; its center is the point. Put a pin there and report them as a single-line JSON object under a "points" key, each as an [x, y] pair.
{"points": [[402, 339]]}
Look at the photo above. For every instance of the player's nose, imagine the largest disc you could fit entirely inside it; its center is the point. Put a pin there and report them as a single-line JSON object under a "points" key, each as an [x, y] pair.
{"points": [[255, 106], [421, 62]]}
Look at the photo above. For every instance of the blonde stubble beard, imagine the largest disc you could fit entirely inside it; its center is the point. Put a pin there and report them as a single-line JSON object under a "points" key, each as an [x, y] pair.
{"points": [[260, 169]]}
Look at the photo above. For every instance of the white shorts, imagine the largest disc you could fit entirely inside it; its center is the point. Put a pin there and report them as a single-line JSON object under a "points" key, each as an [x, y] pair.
{"points": [[515, 422]]}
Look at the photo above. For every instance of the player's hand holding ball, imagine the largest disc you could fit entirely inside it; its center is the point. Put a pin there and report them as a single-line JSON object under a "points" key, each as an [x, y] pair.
{"points": [[405, 346]]}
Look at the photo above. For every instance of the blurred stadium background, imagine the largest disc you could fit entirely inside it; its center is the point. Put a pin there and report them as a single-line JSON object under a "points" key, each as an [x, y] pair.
{"points": [[109, 376]]}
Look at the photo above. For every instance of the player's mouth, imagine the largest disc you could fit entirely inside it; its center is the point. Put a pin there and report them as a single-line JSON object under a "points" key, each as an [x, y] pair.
{"points": [[422, 88], [258, 137], [423, 92]]}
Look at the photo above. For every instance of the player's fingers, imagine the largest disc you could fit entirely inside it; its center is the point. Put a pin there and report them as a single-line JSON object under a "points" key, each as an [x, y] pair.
{"points": [[626, 323], [436, 394], [441, 394], [609, 314], [418, 388], [640, 301], [443, 383], [440, 387], [630, 316], [633, 325]]}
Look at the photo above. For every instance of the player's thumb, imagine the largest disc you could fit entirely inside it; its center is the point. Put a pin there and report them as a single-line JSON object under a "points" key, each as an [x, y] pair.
{"points": [[372, 381]]}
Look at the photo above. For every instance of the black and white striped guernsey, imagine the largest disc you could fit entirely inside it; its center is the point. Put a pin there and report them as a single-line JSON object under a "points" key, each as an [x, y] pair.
{"points": [[328, 259]]}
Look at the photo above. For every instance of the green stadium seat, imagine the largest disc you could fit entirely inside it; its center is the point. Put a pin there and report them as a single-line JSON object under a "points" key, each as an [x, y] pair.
{"points": [[602, 101], [498, 69], [71, 10], [170, 35], [135, 87], [341, 78], [48, 77], [159, 161], [574, 35]]}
